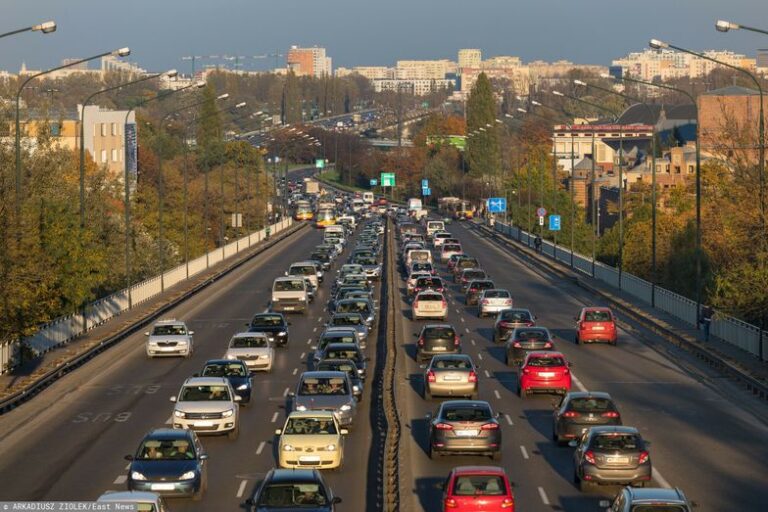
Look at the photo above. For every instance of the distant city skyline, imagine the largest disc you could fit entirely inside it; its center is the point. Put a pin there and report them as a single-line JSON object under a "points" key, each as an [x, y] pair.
{"points": [[365, 33]]}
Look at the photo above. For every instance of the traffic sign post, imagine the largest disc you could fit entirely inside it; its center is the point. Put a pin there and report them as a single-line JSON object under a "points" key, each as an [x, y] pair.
{"points": [[424, 183], [554, 223], [426, 191], [374, 182], [387, 179], [541, 211], [497, 205], [541, 220], [319, 163]]}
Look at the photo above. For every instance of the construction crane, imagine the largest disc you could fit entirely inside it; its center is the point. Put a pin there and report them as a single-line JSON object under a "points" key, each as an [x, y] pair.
{"points": [[238, 58], [195, 58]]}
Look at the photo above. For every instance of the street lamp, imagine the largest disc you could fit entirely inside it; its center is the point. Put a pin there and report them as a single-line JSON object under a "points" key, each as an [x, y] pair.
{"points": [[122, 52], [45, 28], [725, 26]]}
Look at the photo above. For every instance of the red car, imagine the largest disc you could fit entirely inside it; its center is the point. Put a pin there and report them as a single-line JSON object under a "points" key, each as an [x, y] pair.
{"points": [[544, 372], [596, 324], [478, 489]]}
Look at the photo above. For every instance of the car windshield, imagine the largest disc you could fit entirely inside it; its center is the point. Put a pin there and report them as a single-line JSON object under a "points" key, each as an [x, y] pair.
{"points": [[366, 260], [480, 285], [343, 354], [169, 330], [597, 316], [421, 267], [473, 274], [351, 269], [289, 285], [292, 495], [537, 334], [344, 336], [451, 247], [432, 282], [452, 364], [611, 442], [224, 370], [304, 270], [310, 426], [325, 366], [353, 307], [323, 386], [267, 321], [516, 316], [249, 342], [439, 333], [204, 394], [590, 404], [466, 413], [488, 485], [347, 320], [430, 297], [496, 294], [166, 449], [546, 361], [659, 507]]}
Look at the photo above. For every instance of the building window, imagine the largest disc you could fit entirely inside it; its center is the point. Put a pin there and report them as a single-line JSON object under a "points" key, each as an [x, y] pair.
{"points": [[103, 155], [114, 155], [103, 129], [55, 129], [114, 129]]}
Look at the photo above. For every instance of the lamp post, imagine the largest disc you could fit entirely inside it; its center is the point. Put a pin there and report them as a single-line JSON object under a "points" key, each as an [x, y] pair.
{"points": [[554, 178], [120, 53], [44, 28], [170, 74]]}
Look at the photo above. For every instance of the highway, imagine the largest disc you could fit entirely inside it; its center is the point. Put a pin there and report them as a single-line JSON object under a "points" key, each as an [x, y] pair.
{"points": [[69, 442], [702, 440]]}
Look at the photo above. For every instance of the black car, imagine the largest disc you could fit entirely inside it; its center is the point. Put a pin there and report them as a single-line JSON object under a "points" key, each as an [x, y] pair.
{"points": [[526, 339], [235, 371], [581, 410], [292, 489], [170, 462], [465, 427], [346, 351], [474, 288], [436, 339], [508, 320], [273, 325], [344, 365]]}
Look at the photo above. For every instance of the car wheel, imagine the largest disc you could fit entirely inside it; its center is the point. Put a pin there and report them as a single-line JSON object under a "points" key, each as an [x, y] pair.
{"points": [[576, 478], [480, 314], [233, 434], [614, 342]]}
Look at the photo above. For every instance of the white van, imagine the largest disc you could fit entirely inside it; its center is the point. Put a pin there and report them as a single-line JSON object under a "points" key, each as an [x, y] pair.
{"points": [[290, 294], [420, 255], [433, 226], [368, 197], [305, 269]]}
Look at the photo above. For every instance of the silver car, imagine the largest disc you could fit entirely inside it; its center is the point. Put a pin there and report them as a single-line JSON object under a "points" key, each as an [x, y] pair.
{"points": [[492, 301], [326, 391], [169, 338], [207, 405], [253, 348], [350, 321], [450, 375]]}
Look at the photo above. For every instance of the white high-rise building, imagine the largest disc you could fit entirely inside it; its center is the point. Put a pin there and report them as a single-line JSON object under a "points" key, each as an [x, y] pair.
{"points": [[470, 58]]}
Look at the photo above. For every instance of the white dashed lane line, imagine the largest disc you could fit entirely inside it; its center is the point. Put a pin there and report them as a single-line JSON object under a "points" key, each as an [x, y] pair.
{"points": [[543, 495], [169, 420], [480, 356], [319, 319], [496, 394], [509, 420], [303, 355], [309, 341], [466, 328], [578, 383], [487, 374], [241, 489], [657, 476], [462, 320], [314, 329], [274, 417], [524, 452], [261, 447], [286, 391], [295, 371], [473, 342], [121, 479]]}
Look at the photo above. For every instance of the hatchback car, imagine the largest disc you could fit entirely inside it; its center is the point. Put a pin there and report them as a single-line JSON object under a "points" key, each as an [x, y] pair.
{"points": [[436, 339], [413, 278], [236, 372], [492, 301], [253, 348], [475, 288], [611, 455], [455, 259], [581, 410], [451, 375], [169, 338], [170, 462], [274, 325], [292, 489], [207, 405], [335, 335], [544, 372], [429, 304], [362, 306], [433, 283], [478, 488], [311, 439], [447, 250], [508, 320], [351, 321], [526, 339], [326, 391], [439, 238], [468, 275], [461, 264], [596, 324], [465, 427], [347, 366], [658, 499]]}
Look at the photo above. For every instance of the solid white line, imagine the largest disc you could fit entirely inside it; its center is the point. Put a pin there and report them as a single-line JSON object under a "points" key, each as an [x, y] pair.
{"points": [[473, 342], [657, 476], [480, 356], [285, 393], [578, 383], [509, 420], [524, 452], [261, 447], [295, 371], [496, 394], [543, 495], [274, 418], [241, 489], [121, 479], [314, 329]]}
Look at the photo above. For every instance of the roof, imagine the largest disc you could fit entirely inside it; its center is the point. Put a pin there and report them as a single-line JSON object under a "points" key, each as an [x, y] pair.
{"points": [[733, 90], [250, 334], [169, 321], [327, 374], [205, 381], [618, 429], [224, 361], [656, 494], [169, 433], [495, 470], [466, 403], [587, 394], [293, 475], [310, 414], [643, 113]]}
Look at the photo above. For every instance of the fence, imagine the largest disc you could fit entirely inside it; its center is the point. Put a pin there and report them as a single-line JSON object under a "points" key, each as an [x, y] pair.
{"points": [[729, 329], [66, 328]]}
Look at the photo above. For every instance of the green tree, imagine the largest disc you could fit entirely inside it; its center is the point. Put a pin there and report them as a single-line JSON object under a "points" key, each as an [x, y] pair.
{"points": [[483, 152]]}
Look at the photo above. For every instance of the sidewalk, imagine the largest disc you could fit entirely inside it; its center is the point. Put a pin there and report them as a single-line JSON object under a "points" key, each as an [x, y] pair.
{"points": [[729, 353]]}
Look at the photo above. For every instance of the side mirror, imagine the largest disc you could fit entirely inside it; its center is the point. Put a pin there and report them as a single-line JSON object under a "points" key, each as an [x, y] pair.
{"points": [[173, 398], [344, 431], [203, 456], [128, 457], [573, 443], [249, 502], [286, 273], [336, 500], [238, 398], [278, 432], [191, 333]]}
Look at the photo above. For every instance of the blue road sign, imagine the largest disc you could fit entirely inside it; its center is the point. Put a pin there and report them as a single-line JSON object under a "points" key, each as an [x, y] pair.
{"points": [[374, 182], [497, 204], [426, 191], [424, 183], [554, 223]]}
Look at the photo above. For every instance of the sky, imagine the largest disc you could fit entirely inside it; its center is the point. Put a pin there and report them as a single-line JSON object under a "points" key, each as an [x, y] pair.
{"points": [[369, 32]]}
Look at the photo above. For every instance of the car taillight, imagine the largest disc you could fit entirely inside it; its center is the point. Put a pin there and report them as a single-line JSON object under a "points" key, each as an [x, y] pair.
{"points": [[526, 371], [589, 456], [508, 302], [421, 342], [507, 503], [472, 290], [450, 503], [529, 324], [643, 457], [570, 414], [444, 426], [548, 345], [610, 414], [472, 377], [456, 340], [431, 376], [517, 344], [490, 426], [486, 301]]}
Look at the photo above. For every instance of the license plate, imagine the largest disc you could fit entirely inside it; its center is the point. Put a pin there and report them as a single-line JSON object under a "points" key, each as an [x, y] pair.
{"points": [[162, 487], [452, 377], [308, 458], [203, 423], [466, 433], [288, 308], [598, 328], [439, 349], [547, 374], [622, 460]]}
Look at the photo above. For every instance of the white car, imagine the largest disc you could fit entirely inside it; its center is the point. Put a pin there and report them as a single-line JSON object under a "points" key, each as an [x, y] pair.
{"points": [[438, 238], [492, 301], [411, 282], [252, 348], [169, 338], [207, 405], [144, 501], [429, 304]]}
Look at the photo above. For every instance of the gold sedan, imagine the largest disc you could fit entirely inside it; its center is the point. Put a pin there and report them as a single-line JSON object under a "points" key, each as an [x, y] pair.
{"points": [[311, 439]]}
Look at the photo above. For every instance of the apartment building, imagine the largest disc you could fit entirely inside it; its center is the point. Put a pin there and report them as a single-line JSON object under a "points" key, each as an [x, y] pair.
{"points": [[309, 61], [665, 64]]}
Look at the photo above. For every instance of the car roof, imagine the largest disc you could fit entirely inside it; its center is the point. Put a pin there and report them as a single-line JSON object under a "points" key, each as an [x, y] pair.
{"points": [[224, 361], [342, 315], [483, 470], [129, 496], [451, 356], [546, 354], [311, 414], [269, 314], [169, 433], [170, 321], [438, 326], [596, 308], [306, 262], [324, 374], [466, 403], [342, 346], [205, 381], [249, 335], [336, 362], [614, 429], [280, 475], [652, 494], [588, 394]]}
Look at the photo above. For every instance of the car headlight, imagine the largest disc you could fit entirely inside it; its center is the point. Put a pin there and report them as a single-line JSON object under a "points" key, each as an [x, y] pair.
{"points": [[288, 448], [135, 475], [282, 333], [360, 371], [331, 447], [179, 414], [242, 387], [346, 407], [275, 299], [231, 356], [227, 413], [355, 388], [189, 475], [370, 319], [301, 407]]}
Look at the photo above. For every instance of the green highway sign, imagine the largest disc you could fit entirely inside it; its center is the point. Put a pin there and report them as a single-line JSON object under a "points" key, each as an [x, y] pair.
{"points": [[319, 163], [387, 179]]}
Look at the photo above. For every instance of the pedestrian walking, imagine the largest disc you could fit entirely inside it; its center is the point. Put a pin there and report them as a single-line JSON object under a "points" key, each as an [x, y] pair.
{"points": [[706, 320]]}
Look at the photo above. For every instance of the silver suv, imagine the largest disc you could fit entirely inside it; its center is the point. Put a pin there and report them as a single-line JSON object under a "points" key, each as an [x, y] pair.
{"points": [[169, 338], [207, 405], [630, 499], [326, 391]]}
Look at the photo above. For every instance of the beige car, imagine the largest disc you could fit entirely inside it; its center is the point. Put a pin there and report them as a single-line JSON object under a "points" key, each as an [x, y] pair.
{"points": [[429, 304], [311, 439]]}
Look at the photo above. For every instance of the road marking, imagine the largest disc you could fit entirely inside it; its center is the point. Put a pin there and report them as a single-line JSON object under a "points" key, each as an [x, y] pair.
{"points": [[309, 341], [314, 329], [274, 418], [496, 394], [578, 383], [543, 496], [657, 476], [285, 393], [525, 453], [319, 319], [169, 421], [121, 479], [466, 329], [241, 489], [303, 355], [473, 342], [462, 319], [457, 311], [509, 420], [295, 371], [480, 356], [487, 374], [128, 466], [261, 447]]}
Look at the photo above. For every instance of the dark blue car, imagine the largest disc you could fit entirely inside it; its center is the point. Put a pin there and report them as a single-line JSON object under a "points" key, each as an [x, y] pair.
{"points": [[235, 371], [169, 462], [293, 489]]}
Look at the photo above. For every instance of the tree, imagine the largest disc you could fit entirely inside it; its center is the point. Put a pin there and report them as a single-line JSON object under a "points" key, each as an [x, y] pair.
{"points": [[483, 148]]}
